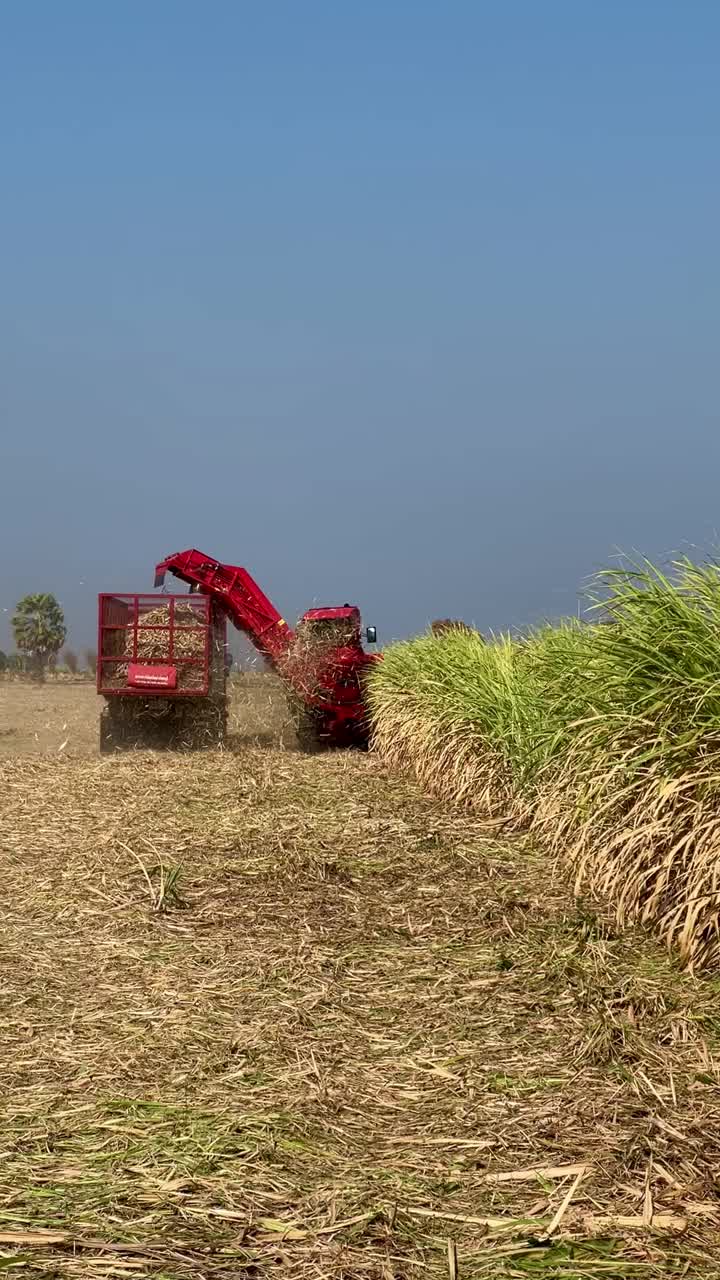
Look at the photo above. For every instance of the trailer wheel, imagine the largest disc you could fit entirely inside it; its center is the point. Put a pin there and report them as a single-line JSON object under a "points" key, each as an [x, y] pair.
{"points": [[113, 733], [125, 726], [205, 724], [307, 726]]}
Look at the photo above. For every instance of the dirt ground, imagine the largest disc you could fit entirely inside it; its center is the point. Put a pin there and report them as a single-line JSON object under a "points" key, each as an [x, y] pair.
{"points": [[266, 1014], [62, 716]]}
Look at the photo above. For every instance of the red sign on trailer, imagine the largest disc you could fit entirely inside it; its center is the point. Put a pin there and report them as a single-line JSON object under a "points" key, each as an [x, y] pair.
{"points": [[151, 677]]}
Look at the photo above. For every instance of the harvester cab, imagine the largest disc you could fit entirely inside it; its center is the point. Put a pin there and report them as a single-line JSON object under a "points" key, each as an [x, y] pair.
{"points": [[339, 626]]}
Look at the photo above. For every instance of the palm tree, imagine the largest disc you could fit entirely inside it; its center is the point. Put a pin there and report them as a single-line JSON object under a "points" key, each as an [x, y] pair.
{"points": [[39, 628]]}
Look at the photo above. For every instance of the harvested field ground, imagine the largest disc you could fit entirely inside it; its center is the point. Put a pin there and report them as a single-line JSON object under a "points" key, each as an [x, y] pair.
{"points": [[266, 1014], [61, 716]]}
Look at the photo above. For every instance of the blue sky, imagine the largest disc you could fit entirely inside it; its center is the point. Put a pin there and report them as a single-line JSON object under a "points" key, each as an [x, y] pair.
{"points": [[410, 304]]}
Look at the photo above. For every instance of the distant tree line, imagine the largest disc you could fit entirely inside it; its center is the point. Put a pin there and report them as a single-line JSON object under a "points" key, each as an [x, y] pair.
{"points": [[39, 630]]}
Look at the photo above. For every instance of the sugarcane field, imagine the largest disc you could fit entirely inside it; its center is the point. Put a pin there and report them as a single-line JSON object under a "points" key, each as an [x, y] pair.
{"points": [[446, 1006]]}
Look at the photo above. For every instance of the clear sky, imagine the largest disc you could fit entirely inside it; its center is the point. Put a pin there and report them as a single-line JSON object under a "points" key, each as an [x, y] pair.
{"points": [[408, 303]]}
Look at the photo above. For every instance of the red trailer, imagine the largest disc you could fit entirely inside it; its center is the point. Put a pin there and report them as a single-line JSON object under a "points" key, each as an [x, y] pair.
{"points": [[161, 669]]}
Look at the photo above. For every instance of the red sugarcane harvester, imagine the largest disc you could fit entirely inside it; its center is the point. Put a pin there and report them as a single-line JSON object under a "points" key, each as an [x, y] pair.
{"points": [[162, 660]]}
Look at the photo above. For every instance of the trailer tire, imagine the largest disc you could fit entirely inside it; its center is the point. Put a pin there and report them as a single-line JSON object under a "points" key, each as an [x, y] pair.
{"points": [[306, 724], [124, 727], [205, 725], [105, 740], [113, 733]]}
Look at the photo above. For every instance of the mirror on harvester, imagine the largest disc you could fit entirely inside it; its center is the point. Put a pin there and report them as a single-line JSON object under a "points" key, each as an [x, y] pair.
{"points": [[371, 635]]}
